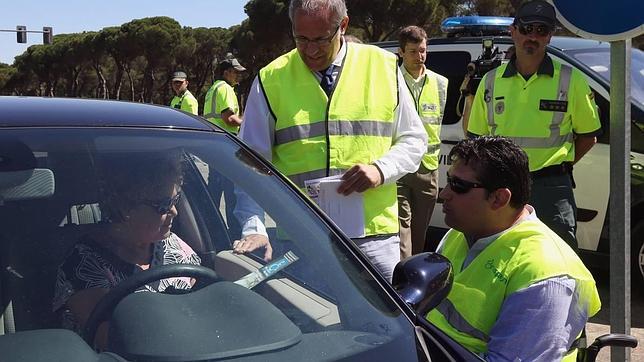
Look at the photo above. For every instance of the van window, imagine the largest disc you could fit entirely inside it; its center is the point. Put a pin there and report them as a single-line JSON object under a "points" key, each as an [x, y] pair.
{"points": [[452, 65]]}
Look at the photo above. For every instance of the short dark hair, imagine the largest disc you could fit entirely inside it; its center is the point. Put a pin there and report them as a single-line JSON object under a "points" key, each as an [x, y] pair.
{"points": [[126, 177], [411, 34], [498, 163]]}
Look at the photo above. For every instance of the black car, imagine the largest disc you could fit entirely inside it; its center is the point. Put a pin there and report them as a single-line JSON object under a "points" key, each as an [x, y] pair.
{"points": [[319, 299]]}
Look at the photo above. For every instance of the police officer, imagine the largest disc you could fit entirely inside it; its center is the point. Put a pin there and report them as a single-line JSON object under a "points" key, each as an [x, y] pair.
{"points": [[417, 191], [183, 99], [330, 107], [221, 106], [544, 106], [514, 278]]}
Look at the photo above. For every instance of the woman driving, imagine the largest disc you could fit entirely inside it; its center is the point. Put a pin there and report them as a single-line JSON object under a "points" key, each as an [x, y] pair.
{"points": [[138, 204]]}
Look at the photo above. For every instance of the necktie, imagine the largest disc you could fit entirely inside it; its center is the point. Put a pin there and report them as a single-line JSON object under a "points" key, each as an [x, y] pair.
{"points": [[327, 80]]}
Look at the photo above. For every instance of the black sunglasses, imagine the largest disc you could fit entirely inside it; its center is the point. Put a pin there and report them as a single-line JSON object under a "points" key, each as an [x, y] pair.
{"points": [[163, 206], [461, 186], [540, 29]]}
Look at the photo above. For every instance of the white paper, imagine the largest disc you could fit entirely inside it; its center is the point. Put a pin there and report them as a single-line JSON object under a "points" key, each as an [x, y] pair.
{"points": [[346, 211]]}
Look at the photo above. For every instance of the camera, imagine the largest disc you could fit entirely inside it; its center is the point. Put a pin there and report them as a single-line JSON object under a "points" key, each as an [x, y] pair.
{"points": [[489, 59]]}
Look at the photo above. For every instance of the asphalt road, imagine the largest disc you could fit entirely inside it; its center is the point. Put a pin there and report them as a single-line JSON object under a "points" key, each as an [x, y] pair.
{"points": [[600, 324]]}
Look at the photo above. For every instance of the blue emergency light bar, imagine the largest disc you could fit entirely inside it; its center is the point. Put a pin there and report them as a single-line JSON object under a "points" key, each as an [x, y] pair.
{"points": [[476, 25]]}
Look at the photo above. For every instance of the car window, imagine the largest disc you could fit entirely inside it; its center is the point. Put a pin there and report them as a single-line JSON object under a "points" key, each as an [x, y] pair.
{"points": [[324, 295], [452, 65], [598, 59]]}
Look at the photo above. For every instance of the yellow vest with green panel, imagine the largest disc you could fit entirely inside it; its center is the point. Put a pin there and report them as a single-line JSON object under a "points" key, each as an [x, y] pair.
{"points": [[527, 253], [430, 106], [539, 114], [220, 96], [318, 135]]}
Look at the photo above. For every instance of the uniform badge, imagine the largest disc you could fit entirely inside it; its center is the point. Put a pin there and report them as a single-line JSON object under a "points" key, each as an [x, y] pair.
{"points": [[553, 105], [499, 107]]}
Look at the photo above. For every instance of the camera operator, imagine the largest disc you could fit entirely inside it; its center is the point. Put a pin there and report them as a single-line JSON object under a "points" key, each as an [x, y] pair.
{"points": [[546, 108], [489, 59]]}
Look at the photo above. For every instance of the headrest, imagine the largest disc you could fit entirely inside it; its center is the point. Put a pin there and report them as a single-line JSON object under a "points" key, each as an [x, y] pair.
{"points": [[19, 177]]}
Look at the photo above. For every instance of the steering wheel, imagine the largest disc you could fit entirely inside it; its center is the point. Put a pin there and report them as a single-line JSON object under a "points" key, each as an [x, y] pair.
{"points": [[104, 308]]}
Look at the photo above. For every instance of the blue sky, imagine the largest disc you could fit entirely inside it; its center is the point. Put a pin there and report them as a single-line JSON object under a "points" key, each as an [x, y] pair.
{"points": [[73, 16]]}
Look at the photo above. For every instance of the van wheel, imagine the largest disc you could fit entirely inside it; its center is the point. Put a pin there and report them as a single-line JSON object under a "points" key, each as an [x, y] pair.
{"points": [[637, 260]]}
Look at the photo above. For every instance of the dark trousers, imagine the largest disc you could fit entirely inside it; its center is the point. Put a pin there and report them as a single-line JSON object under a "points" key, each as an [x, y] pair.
{"points": [[417, 194], [218, 185], [553, 199]]}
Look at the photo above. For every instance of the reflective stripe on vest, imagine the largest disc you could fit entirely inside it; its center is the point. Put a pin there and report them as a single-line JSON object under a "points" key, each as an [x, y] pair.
{"points": [[318, 135], [527, 253], [555, 139], [213, 113], [458, 321], [336, 128]]}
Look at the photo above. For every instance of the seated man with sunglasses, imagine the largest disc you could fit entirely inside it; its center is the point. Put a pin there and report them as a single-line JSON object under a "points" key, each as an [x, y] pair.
{"points": [[545, 107], [138, 200], [520, 293]]}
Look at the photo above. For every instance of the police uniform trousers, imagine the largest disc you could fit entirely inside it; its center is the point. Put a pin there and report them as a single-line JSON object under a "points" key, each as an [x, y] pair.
{"points": [[417, 193], [553, 199]]}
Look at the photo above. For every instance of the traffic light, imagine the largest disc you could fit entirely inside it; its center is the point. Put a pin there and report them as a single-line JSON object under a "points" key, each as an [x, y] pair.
{"points": [[47, 35], [21, 33]]}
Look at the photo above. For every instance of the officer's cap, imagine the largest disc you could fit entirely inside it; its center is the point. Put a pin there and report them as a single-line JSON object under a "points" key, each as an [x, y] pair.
{"points": [[231, 63], [536, 11], [179, 76]]}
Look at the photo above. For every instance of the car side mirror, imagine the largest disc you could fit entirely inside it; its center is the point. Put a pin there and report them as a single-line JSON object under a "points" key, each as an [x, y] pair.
{"points": [[423, 280]]}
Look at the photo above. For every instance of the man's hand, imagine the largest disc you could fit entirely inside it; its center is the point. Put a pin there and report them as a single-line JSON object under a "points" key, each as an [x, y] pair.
{"points": [[253, 242], [231, 118], [359, 178]]}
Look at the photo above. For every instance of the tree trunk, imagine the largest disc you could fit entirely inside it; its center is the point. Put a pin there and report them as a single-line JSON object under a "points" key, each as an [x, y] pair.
{"points": [[101, 89], [118, 82], [129, 78]]}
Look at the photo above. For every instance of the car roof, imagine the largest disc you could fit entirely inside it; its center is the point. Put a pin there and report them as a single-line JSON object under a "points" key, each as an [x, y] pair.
{"points": [[76, 112]]}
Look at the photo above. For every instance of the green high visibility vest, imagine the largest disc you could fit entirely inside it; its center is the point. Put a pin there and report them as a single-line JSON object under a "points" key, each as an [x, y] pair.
{"points": [[523, 255], [318, 136], [220, 96], [430, 106]]}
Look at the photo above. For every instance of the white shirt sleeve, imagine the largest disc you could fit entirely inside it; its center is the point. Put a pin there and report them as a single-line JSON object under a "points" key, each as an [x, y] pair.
{"points": [[409, 138], [257, 131]]}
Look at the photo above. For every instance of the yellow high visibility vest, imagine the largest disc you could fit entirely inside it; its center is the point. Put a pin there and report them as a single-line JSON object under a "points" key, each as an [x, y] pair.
{"points": [[523, 255], [219, 97], [318, 136], [430, 106], [187, 103], [538, 114]]}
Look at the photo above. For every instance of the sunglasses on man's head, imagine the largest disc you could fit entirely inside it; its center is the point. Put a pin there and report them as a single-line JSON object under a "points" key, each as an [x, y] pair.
{"points": [[539, 29], [165, 205], [461, 186]]}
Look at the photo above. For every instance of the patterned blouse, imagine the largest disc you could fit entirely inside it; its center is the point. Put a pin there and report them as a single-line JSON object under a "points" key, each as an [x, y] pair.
{"points": [[90, 265]]}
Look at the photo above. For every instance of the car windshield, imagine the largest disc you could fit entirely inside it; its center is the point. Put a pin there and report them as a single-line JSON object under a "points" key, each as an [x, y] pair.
{"points": [[316, 299], [598, 59]]}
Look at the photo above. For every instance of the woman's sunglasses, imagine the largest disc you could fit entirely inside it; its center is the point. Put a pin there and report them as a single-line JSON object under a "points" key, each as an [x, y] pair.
{"points": [[163, 206], [461, 186], [540, 29]]}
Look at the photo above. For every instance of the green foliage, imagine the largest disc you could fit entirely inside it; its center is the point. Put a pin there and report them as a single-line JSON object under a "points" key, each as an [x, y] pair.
{"points": [[134, 61]]}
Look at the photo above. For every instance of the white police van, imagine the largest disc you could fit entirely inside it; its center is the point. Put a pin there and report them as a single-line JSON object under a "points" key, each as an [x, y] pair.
{"points": [[450, 56]]}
